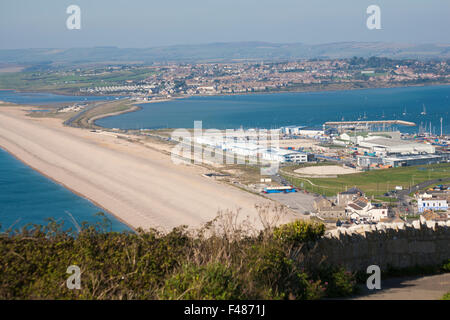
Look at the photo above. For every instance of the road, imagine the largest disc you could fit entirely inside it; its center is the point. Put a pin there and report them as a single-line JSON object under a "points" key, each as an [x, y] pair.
{"points": [[299, 201], [409, 288], [403, 194]]}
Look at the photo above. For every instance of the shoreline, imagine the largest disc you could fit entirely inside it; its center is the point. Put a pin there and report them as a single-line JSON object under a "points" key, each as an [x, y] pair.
{"points": [[140, 187], [307, 90], [68, 188], [133, 108], [137, 104]]}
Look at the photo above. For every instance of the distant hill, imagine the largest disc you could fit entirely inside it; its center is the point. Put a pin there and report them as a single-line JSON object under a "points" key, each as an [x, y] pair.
{"points": [[216, 52]]}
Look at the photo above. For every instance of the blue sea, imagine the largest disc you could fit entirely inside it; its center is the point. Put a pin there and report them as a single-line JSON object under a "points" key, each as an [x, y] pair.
{"points": [[306, 108], [26, 196]]}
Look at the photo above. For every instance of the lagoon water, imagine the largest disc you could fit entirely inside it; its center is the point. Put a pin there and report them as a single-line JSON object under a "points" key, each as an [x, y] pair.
{"points": [[282, 109]]}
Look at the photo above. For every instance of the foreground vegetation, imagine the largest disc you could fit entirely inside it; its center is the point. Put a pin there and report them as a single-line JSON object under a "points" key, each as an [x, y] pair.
{"points": [[225, 259], [218, 262], [375, 182]]}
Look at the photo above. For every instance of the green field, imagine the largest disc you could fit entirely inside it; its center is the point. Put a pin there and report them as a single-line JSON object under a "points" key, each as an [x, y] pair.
{"points": [[376, 182], [72, 81]]}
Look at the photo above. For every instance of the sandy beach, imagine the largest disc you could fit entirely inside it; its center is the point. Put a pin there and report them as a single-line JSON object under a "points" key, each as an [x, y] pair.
{"points": [[140, 186]]}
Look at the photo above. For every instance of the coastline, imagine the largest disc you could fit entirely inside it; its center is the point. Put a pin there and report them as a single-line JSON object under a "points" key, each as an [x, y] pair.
{"points": [[64, 92], [139, 186], [132, 108], [137, 104], [315, 91], [68, 188]]}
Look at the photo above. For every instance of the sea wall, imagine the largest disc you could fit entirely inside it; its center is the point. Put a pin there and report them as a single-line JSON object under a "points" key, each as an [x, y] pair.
{"points": [[398, 245]]}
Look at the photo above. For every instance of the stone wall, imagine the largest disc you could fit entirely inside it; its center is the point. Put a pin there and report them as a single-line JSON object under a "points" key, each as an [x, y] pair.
{"points": [[398, 245]]}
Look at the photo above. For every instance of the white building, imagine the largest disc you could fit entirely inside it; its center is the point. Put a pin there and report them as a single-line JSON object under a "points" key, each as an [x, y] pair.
{"points": [[362, 208], [291, 129], [358, 208], [245, 147], [387, 146], [432, 204], [301, 130], [378, 214], [311, 133], [283, 155]]}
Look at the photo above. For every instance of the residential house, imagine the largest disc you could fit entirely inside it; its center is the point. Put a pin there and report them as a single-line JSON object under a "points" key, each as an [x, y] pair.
{"points": [[349, 195]]}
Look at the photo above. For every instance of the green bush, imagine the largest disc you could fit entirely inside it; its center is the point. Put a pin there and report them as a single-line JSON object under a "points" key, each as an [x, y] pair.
{"points": [[210, 282], [155, 265], [299, 231], [446, 266], [271, 267], [338, 281]]}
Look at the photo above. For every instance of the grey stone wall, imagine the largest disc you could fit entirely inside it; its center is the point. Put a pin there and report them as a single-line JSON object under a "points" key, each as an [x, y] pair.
{"points": [[398, 245]]}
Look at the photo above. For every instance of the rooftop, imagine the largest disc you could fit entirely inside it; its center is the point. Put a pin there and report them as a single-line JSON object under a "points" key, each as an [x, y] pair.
{"points": [[352, 191]]}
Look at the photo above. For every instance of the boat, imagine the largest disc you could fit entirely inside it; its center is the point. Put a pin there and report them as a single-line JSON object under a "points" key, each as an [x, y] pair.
{"points": [[424, 112], [404, 112]]}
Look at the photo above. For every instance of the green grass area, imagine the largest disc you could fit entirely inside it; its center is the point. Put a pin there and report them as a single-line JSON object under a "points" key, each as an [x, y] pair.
{"points": [[86, 119], [375, 182], [39, 81], [386, 199]]}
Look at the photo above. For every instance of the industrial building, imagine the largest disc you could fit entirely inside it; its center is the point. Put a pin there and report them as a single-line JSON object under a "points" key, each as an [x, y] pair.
{"points": [[302, 131], [368, 161], [283, 155], [361, 125], [385, 146], [252, 149], [413, 160]]}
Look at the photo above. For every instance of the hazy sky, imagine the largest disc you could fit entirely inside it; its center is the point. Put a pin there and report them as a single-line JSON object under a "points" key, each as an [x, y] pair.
{"points": [[148, 23]]}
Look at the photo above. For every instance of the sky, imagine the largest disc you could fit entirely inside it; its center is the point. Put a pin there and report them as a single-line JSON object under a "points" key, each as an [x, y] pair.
{"points": [[151, 23]]}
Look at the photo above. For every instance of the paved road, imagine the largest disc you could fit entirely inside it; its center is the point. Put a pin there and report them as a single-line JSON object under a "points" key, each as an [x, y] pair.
{"points": [[297, 201], [422, 185], [403, 195], [410, 288]]}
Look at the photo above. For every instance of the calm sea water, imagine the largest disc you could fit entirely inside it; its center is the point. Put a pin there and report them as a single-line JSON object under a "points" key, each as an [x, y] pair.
{"points": [[35, 98], [26, 196], [282, 109]]}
